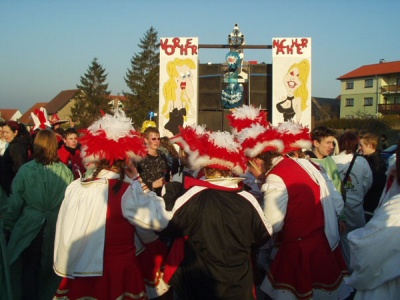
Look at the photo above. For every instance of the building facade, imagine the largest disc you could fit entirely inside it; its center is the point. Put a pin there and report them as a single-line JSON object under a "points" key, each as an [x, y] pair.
{"points": [[371, 91]]}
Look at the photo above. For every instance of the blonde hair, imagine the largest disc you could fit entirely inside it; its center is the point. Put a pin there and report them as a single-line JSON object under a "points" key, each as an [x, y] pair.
{"points": [[304, 72], [170, 86], [370, 139]]}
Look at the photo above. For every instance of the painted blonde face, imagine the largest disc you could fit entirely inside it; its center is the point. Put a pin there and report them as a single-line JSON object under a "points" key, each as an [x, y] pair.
{"points": [[184, 76], [291, 80]]}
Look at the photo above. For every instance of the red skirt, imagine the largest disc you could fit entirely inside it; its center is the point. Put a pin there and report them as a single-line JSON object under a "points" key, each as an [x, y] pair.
{"points": [[121, 280], [122, 276], [303, 265]]}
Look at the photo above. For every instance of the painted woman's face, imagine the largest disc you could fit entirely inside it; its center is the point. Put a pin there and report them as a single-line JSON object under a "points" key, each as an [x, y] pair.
{"points": [[291, 80], [184, 76]]}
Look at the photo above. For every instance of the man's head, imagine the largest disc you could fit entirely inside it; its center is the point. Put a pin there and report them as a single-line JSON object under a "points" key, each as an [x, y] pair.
{"points": [[322, 139], [70, 137], [368, 143], [152, 138]]}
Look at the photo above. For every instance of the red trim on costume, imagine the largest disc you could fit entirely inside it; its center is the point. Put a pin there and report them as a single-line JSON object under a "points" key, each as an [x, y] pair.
{"points": [[190, 182]]}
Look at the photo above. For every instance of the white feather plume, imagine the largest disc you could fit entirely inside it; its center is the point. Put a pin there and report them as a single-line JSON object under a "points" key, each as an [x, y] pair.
{"points": [[290, 127], [246, 112], [223, 139], [251, 132], [115, 127]]}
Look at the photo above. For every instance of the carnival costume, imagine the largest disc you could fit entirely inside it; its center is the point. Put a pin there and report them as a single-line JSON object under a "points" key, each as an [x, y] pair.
{"points": [[95, 249], [375, 258], [216, 223], [302, 206]]}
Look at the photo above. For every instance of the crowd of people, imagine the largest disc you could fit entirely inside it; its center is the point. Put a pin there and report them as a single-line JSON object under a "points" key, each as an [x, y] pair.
{"points": [[260, 212]]}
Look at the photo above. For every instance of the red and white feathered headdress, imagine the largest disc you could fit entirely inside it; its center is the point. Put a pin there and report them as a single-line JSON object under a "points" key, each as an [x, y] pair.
{"points": [[252, 129], [189, 138], [294, 136], [244, 116], [40, 119], [217, 150], [112, 138]]}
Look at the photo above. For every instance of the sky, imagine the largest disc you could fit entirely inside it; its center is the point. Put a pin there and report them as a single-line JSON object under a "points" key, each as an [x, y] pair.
{"points": [[46, 46]]}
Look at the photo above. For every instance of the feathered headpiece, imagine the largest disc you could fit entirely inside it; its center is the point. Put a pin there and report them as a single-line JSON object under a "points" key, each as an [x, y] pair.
{"points": [[112, 138], [217, 150], [39, 117], [252, 129], [294, 136], [244, 116]]}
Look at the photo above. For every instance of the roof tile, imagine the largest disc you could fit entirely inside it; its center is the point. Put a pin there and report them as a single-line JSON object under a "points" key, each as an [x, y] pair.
{"points": [[382, 68]]}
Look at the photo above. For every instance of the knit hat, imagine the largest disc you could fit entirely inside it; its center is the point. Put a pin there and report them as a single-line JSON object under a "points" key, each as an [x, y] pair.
{"points": [[254, 132], [294, 136], [219, 150], [111, 138]]}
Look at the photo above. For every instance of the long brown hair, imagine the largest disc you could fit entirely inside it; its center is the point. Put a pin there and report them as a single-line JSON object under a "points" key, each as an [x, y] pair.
{"points": [[45, 147], [348, 142], [166, 143]]}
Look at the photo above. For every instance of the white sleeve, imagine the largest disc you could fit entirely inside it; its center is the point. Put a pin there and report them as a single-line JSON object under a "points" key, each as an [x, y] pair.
{"points": [[145, 210], [275, 201]]}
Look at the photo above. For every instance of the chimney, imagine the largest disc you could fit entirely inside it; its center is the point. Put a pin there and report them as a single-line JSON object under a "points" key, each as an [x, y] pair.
{"points": [[381, 61]]}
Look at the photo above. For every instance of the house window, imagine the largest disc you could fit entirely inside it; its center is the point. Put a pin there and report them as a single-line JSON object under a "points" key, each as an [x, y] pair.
{"points": [[350, 102], [369, 83], [398, 81], [349, 85], [368, 101], [396, 100]]}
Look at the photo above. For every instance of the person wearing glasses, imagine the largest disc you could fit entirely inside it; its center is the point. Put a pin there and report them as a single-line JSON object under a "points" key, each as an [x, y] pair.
{"points": [[154, 167]]}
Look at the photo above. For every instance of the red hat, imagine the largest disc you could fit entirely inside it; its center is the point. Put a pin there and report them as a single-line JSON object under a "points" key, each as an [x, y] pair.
{"points": [[55, 119], [242, 118], [294, 136], [254, 132], [112, 138], [39, 117], [219, 150]]}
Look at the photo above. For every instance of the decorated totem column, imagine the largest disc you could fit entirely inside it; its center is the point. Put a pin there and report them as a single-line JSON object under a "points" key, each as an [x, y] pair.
{"points": [[232, 95]]}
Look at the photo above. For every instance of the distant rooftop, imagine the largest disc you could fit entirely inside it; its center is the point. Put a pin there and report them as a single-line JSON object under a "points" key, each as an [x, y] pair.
{"points": [[381, 68]]}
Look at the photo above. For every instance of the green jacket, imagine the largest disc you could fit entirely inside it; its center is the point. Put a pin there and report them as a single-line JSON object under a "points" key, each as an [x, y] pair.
{"points": [[37, 193]]}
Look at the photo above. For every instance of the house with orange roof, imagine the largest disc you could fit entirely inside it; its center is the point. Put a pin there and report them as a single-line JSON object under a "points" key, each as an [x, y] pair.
{"points": [[371, 90], [10, 114], [62, 104]]}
